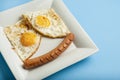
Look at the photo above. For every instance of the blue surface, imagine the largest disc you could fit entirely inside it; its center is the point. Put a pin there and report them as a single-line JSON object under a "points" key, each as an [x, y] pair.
{"points": [[101, 20]]}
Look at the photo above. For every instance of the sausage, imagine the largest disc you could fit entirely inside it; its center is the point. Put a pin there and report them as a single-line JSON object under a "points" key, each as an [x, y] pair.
{"points": [[53, 54]]}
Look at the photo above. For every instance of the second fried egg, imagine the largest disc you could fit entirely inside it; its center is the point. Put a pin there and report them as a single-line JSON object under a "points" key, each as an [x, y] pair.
{"points": [[47, 22]]}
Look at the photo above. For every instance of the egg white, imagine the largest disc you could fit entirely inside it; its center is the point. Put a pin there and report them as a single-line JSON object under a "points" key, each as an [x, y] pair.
{"points": [[57, 27], [14, 34]]}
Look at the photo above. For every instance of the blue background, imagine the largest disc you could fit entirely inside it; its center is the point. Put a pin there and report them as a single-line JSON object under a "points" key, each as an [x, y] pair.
{"points": [[101, 20]]}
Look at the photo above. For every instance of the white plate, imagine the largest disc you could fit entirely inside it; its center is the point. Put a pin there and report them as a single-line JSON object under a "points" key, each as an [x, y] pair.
{"points": [[81, 48]]}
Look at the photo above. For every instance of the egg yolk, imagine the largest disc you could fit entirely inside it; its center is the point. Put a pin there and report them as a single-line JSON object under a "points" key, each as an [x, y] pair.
{"points": [[42, 21], [28, 38]]}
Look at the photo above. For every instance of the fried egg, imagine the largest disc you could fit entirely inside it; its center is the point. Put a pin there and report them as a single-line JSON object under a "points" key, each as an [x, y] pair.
{"points": [[25, 41], [47, 22]]}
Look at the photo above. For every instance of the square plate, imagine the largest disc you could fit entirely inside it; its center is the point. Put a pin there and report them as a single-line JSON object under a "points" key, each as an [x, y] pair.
{"points": [[81, 47]]}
